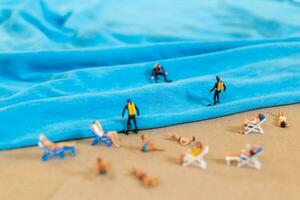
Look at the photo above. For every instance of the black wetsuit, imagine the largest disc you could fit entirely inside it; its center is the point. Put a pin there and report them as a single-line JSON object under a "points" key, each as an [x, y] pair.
{"points": [[159, 71], [217, 92], [131, 117]]}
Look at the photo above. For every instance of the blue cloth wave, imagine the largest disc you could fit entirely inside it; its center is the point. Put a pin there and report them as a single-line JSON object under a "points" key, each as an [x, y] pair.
{"points": [[56, 78]]}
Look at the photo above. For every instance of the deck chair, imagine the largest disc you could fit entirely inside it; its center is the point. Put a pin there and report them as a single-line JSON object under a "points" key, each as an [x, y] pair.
{"points": [[198, 160], [60, 152], [251, 161], [105, 140], [255, 127]]}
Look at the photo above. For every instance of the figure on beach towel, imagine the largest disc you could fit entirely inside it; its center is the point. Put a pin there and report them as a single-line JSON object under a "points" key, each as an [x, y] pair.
{"points": [[281, 120], [132, 109], [144, 178], [157, 71], [218, 87], [182, 140], [148, 144], [102, 137], [103, 167]]}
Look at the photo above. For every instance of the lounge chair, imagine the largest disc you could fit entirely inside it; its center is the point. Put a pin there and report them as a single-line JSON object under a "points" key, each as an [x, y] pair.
{"points": [[242, 160], [60, 152], [105, 140], [255, 127], [197, 160]]}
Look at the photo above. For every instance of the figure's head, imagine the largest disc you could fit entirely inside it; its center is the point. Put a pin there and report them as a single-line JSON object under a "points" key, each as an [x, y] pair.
{"points": [[157, 65], [218, 78], [129, 101], [143, 136], [198, 144], [42, 137], [99, 160]]}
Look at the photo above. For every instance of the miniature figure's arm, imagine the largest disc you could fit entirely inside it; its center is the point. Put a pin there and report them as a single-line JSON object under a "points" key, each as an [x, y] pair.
{"points": [[153, 72], [215, 86], [137, 110], [124, 109], [224, 86]]}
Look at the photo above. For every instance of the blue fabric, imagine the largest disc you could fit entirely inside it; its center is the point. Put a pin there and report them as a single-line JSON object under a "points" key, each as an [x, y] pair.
{"points": [[64, 64]]}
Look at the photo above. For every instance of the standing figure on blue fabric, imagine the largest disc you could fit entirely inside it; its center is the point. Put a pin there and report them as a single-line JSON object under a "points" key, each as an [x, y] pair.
{"points": [[159, 70], [218, 88], [132, 109]]}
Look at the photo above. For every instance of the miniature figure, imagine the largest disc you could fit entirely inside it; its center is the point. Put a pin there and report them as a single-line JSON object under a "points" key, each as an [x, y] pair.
{"points": [[194, 152], [249, 156], [53, 146], [282, 121], [249, 125], [159, 71], [55, 150], [132, 109], [103, 167], [148, 145], [195, 156], [218, 88], [182, 140], [145, 179], [104, 137]]}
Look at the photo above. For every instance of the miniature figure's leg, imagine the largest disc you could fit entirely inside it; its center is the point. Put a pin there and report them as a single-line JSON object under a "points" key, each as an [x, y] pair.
{"points": [[128, 124], [135, 125], [155, 77], [165, 77], [218, 97], [215, 98]]}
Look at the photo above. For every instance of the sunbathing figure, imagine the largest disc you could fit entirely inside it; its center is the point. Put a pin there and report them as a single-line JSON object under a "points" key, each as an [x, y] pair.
{"points": [[182, 140], [103, 167], [254, 121], [282, 121], [112, 135], [195, 151], [248, 152], [248, 157], [148, 145], [54, 146], [144, 178]]}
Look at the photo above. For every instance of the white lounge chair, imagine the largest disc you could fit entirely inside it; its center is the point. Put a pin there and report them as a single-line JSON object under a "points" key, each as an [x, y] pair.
{"points": [[242, 160], [197, 160], [255, 127]]}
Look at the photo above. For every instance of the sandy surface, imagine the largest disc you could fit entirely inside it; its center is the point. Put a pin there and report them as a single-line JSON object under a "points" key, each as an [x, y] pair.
{"points": [[24, 176]]}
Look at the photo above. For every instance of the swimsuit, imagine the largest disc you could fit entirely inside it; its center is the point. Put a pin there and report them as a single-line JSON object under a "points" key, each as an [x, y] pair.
{"points": [[145, 148]]}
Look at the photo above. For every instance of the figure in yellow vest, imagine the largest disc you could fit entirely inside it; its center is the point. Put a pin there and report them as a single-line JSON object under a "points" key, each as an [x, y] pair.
{"points": [[218, 88], [131, 109]]}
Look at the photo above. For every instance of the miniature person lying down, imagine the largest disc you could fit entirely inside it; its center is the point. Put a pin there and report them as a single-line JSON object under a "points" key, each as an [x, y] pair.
{"points": [[96, 127], [282, 121], [53, 146], [148, 145], [182, 140], [254, 121], [144, 178], [195, 151], [103, 167], [248, 152]]}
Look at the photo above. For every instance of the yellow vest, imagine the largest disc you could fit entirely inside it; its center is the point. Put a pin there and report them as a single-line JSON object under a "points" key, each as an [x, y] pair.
{"points": [[131, 108], [220, 86]]}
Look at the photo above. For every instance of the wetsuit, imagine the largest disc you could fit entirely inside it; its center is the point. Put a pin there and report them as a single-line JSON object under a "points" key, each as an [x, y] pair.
{"points": [[218, 88], [159, 71], [132, 109]]}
